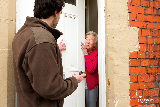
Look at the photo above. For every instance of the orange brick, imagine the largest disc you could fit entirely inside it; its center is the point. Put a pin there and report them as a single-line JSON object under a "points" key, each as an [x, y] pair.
{"points": [[132, 16], [140, 70], [158, 62], [154, 92], [144, 62], [135, 93], [152, 70], [146, 93], [157, 4], [152, 3], [133, 54], [146, 32], [150, 25], [143, 77], [135, 2], [150, 84], [150, 40], [143, 102], [134, 62], [134, 86], [157, 40], [133, 78], [157, 100], [145, 3], [148, 11], [140, 17], [150, 47], [146, 77], [156, 11], [132, 9], [133, 23], [151, 77], [156, 48], [129, 2], [151, 54], [158, 70], [142, 24], [140, 32], [156, 19], [149, 70], [158, 77], [132, 70], [140, 10], [153, 62], [157, 25], [152, 100], [155, 33], [134, 102], [141, 55], [142, 39], [142, 47], [149, 18], [143, 85], [157, 54]]}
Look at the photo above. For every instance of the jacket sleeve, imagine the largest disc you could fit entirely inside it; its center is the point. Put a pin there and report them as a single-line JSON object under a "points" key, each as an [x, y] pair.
{"points": [[91, 63], [46, 78]]}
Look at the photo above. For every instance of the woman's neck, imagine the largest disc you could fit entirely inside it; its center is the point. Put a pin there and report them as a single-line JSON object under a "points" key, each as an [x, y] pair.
{"points": [[89, 51]]}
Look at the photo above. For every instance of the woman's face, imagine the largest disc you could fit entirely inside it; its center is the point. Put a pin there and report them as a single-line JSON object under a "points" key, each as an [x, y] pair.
{"points": [[90, 42]]}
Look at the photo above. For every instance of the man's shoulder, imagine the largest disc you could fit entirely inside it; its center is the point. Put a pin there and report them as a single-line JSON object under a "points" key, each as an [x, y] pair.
{"points": [[42, 35]]}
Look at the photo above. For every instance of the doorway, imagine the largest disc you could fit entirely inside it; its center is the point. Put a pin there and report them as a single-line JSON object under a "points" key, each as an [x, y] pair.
{"points": [[91, 22], [95, 21]]}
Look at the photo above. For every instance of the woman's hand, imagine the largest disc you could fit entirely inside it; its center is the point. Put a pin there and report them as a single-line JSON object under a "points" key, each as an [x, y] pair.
{"points": [[62, 46], [84, 49]]}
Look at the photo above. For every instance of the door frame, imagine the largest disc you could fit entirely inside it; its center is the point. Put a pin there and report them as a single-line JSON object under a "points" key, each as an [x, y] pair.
{"points": [[101, 53]]}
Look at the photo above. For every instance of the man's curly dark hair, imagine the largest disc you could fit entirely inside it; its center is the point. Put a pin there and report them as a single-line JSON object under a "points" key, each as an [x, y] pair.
{"points": [[46, 8]]}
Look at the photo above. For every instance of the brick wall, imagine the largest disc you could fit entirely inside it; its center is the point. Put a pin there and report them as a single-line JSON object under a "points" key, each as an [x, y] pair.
{"points": [[144, 65]]}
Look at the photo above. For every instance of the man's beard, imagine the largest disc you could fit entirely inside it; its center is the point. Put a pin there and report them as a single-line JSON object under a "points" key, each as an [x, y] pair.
{"points": [[54, 23]]}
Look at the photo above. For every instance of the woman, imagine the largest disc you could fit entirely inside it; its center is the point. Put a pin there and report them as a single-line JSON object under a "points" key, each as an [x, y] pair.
{"points": [[91, 68]]}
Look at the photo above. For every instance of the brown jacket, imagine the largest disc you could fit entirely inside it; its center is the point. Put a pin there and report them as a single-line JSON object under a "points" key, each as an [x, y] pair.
{"points": [[38, 67]]}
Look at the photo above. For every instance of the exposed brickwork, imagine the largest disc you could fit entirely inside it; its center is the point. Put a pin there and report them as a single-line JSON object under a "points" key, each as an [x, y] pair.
{"points": [[144, 65]]}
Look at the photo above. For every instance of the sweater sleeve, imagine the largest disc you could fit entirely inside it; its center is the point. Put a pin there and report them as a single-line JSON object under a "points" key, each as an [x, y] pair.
{"points": [[46, 79], [91, 63]]}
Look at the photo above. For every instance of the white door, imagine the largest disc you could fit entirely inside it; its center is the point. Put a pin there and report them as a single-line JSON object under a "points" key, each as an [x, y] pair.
{"points": [[72, 24]]}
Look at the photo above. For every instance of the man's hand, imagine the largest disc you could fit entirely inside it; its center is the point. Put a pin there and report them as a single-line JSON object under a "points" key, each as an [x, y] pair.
{"points": [[79, 77], [62, 46], [84, 49]]}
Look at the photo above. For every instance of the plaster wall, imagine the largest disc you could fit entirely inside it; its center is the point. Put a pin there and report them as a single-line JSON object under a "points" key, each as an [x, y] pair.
{"points": [[120, 39], [7, 32]]}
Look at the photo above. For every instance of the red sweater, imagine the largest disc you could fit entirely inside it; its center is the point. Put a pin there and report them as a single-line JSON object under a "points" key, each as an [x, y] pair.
{"points": [[91, 68]]}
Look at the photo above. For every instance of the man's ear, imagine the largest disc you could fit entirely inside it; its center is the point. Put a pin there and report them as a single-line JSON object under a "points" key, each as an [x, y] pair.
{"points": [[55, 13]]}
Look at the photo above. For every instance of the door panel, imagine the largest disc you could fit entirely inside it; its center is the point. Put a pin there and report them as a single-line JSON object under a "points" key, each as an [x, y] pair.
{"points": [[72, 24]]}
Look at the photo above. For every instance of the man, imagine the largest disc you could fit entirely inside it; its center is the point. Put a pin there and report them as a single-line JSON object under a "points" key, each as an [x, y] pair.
{"points": [[37, 59]]}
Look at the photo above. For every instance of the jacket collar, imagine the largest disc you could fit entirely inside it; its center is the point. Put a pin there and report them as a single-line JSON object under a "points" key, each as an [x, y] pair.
{"points": [[36, 22]]}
